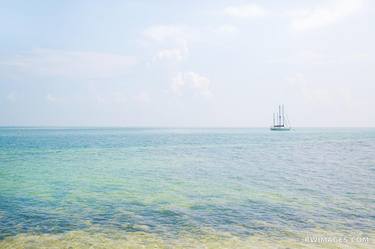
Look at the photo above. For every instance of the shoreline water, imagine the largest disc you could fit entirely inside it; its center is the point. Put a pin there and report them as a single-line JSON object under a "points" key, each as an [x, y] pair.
{"points": [[116, 239]]}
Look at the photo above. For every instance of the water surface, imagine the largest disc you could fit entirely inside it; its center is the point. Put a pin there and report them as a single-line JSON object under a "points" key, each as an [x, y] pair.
{"points": [[187, 188]]}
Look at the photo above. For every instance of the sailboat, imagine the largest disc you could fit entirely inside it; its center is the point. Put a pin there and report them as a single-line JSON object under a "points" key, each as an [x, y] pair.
{"points": [[280, 121]]}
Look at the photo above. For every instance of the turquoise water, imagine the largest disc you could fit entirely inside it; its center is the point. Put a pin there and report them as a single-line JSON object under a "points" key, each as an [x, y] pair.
{"points": [[164, 188]]}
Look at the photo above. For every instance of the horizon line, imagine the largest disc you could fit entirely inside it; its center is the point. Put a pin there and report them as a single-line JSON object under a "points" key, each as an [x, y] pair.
{"points": [[168, 127]]}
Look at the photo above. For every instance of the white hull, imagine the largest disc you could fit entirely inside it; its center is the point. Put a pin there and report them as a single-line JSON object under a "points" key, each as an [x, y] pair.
{"points": [[280, 128]]}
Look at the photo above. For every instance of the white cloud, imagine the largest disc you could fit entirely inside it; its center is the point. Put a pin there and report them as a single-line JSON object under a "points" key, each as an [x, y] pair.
{"points": [[172, 54], [142, 97], [173, 39], [172, 42], [191, 80], [245, 11], [324, 15], [12, 97], [119, 97], [167, 33], [100, 99], [227, 29], [178, 83], [70, 64], [51, 98]]}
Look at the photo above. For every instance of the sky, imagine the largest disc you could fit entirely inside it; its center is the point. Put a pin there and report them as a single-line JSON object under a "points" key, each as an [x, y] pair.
{"points": [[187, 63]]}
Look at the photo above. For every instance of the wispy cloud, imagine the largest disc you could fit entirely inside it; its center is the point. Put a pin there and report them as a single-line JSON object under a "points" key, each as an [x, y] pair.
{"points": [[245, 11], [167, 33], [51, 98], [175, 41], [227, 29], [324, 15], [172, 54], [69, 64], [11, 97], [142, 97], [193, 81], [172, 41]]}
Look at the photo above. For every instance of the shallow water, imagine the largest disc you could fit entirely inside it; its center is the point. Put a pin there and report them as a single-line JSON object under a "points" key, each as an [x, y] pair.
{"points": [[187, 188]]}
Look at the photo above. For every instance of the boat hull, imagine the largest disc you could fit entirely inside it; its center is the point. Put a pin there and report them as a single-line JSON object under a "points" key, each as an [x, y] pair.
{"points": [[280, 128]]}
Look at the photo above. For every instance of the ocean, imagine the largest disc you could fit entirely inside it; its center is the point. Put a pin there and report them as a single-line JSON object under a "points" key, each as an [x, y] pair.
{"points": [[187, 188]]}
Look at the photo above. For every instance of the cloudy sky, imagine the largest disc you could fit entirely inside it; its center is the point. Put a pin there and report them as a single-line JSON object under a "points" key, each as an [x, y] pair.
{"points": [[187, 63]]}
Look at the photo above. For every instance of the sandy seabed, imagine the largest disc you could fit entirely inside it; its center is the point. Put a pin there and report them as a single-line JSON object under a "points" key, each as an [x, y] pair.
{"points": [[119, 240]]}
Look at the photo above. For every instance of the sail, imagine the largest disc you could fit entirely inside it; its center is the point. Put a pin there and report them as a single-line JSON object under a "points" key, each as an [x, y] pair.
{"points": [[280, 120]]}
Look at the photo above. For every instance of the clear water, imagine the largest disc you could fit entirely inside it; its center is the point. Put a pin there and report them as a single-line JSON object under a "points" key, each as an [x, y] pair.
{"points": [[188, 188]]}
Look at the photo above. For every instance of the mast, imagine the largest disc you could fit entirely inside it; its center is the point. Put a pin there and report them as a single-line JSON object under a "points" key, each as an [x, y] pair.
{"points": [[280, 120]]}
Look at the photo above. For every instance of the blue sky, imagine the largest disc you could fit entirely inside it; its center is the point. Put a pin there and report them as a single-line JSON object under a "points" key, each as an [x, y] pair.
{"points": [[195, 63]]}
